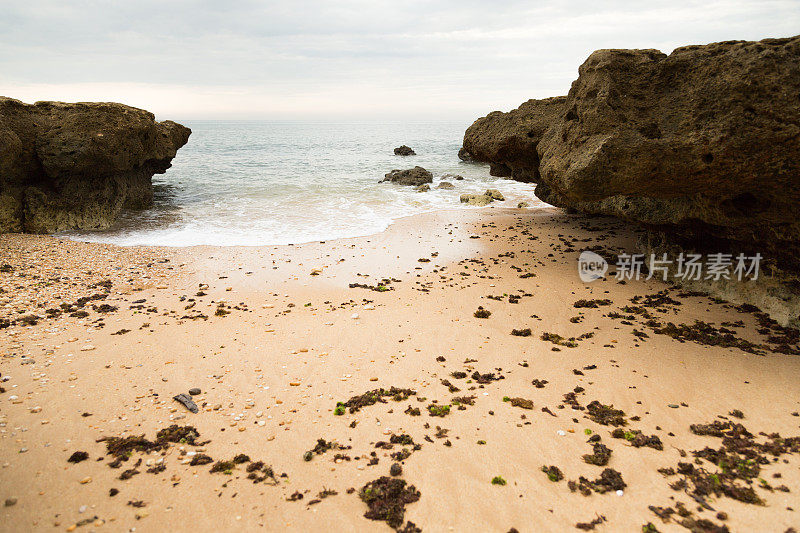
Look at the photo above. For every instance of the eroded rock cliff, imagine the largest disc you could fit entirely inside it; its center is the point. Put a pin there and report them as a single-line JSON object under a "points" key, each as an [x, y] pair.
{"points": [[508, 141], [75, 166], [702, 144]]}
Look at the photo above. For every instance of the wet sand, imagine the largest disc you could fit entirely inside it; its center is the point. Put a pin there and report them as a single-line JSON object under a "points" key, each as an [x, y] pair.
{"points": [[274, 337]]}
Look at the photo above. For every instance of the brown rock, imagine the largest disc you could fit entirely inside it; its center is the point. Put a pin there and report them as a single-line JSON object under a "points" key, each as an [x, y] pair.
{"points": [[75, 166], [476, 199], [702, 144], [413, 176], [508, 140], [404, 150]]}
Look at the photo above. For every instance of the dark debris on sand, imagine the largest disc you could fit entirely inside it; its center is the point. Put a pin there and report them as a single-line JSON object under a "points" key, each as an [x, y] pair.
{"points": [[323, 446], [387, 498], [356, 403], [606, 415], [733, 470], [77, 457], [599, 456], [121, 448], [609, 480], [554, 473], [638, 439]]}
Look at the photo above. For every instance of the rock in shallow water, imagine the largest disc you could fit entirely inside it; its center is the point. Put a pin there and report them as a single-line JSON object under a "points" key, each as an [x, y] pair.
{"points": [[404, 150], [495, 194], [413, 176], [75, 166], [476, 199]]}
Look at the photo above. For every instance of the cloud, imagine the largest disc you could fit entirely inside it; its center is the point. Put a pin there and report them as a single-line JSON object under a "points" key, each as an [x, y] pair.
{"points": [[313, 58]]}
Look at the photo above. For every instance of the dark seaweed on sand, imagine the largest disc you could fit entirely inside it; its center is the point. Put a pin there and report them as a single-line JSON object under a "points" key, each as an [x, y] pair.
{"points": [[599, 456], [606, 414], [372, 397], [702, 333], [323, 446], [590, 304], [554, 473], [609, 480], [123, 447], [638, 439], [738, 462], [387, 498]]}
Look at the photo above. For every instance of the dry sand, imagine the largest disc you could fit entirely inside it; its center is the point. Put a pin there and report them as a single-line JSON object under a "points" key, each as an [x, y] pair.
{"points": [[289, 345]]}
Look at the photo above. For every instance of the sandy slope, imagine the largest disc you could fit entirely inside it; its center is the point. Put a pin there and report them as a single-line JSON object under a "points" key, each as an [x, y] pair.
{"points": [[272, 370]]}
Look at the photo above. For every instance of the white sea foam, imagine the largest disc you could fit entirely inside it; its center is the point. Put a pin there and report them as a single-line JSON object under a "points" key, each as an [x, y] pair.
{"points": [[260, 183]]}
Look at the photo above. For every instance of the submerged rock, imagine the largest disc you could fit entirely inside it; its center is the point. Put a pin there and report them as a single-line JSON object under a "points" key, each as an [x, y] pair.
{"points": [[413, 176], [404, 150], [495, 194], [476, 199], [445, 185], [76, 166], [422, 188]]}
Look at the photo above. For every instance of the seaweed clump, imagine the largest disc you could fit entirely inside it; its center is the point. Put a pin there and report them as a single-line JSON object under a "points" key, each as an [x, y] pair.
{"points": [[122, 448], [606, 415], [590, 303], [589, 526], [323, 446], [739, 458], [200, 459], [638, 439], [387, 498], [554, 473], [402, 440], [77, 457], [438, 410], [227, 467], [557, 339], [257, 472], [599, 456], [609, 480], [356, 403], [519, 402], [482, 313], [722, 483], [703, 333]]}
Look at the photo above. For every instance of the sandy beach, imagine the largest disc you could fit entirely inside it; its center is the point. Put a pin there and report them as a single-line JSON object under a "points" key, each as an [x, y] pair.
{"points": [[275, 337]]}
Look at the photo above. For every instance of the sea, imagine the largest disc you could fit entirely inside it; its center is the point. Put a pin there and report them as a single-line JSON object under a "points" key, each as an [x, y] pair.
{"points": [[249, 183]]}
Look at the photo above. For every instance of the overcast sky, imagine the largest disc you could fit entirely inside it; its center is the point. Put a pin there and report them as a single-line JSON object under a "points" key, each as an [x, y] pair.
{"points": [[342, 59]]}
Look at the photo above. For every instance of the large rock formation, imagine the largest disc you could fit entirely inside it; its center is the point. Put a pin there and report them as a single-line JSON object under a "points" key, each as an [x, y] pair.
{"points": [[75, 166], [702, 144], [508, 141]]}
